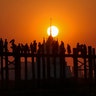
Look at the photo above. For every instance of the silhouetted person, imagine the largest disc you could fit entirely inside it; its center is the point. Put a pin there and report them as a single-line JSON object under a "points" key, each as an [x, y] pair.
{"points": [[19, 48], [79, 48], [22, 48], [78, 45], [13, 45], [39, 47], [43, 47], [31, 47], [34, 46], [62, 48], [12, 41], [84, 50], [26, 48], [56, 46], [68, 48]]}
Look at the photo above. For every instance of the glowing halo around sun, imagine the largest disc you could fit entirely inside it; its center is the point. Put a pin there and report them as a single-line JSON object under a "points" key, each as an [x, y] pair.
{"points": [[54, 31]]}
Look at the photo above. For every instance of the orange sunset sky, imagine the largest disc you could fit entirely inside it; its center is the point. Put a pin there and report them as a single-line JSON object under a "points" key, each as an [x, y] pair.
{"points": [[28, 20]]}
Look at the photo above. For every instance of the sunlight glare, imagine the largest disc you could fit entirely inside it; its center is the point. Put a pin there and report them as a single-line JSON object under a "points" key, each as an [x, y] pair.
{"points": [[54, 31]]}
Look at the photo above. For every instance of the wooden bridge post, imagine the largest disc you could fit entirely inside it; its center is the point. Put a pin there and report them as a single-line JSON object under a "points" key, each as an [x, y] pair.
{"points": [[17, 66], [2, 69], [26, 68], [90, 62], [43, 64], [62, 62], [85, 68], [6, 61], [84, 58], [43, 67], [48, 61], [54, 53], [94, 63], [1, 63], [61, 75], [54, 64], [17, 71], [33, 67], [75, 62], [1, 59], [38, 66], [62, 66], [48, 66]]}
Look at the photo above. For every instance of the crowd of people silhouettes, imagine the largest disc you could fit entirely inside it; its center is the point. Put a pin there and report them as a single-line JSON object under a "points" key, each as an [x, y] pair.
{"points": [[44, 47]]}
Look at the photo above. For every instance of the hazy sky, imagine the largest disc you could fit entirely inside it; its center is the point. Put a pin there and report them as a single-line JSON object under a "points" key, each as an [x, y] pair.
{"points": [[26, 20]]}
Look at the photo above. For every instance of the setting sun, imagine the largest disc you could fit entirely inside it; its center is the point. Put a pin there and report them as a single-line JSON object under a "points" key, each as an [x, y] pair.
{"points": [[53, 30]]}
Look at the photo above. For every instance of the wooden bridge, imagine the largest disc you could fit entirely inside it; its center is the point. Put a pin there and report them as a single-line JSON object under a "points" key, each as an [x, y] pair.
{"points": [[46, 52]]}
